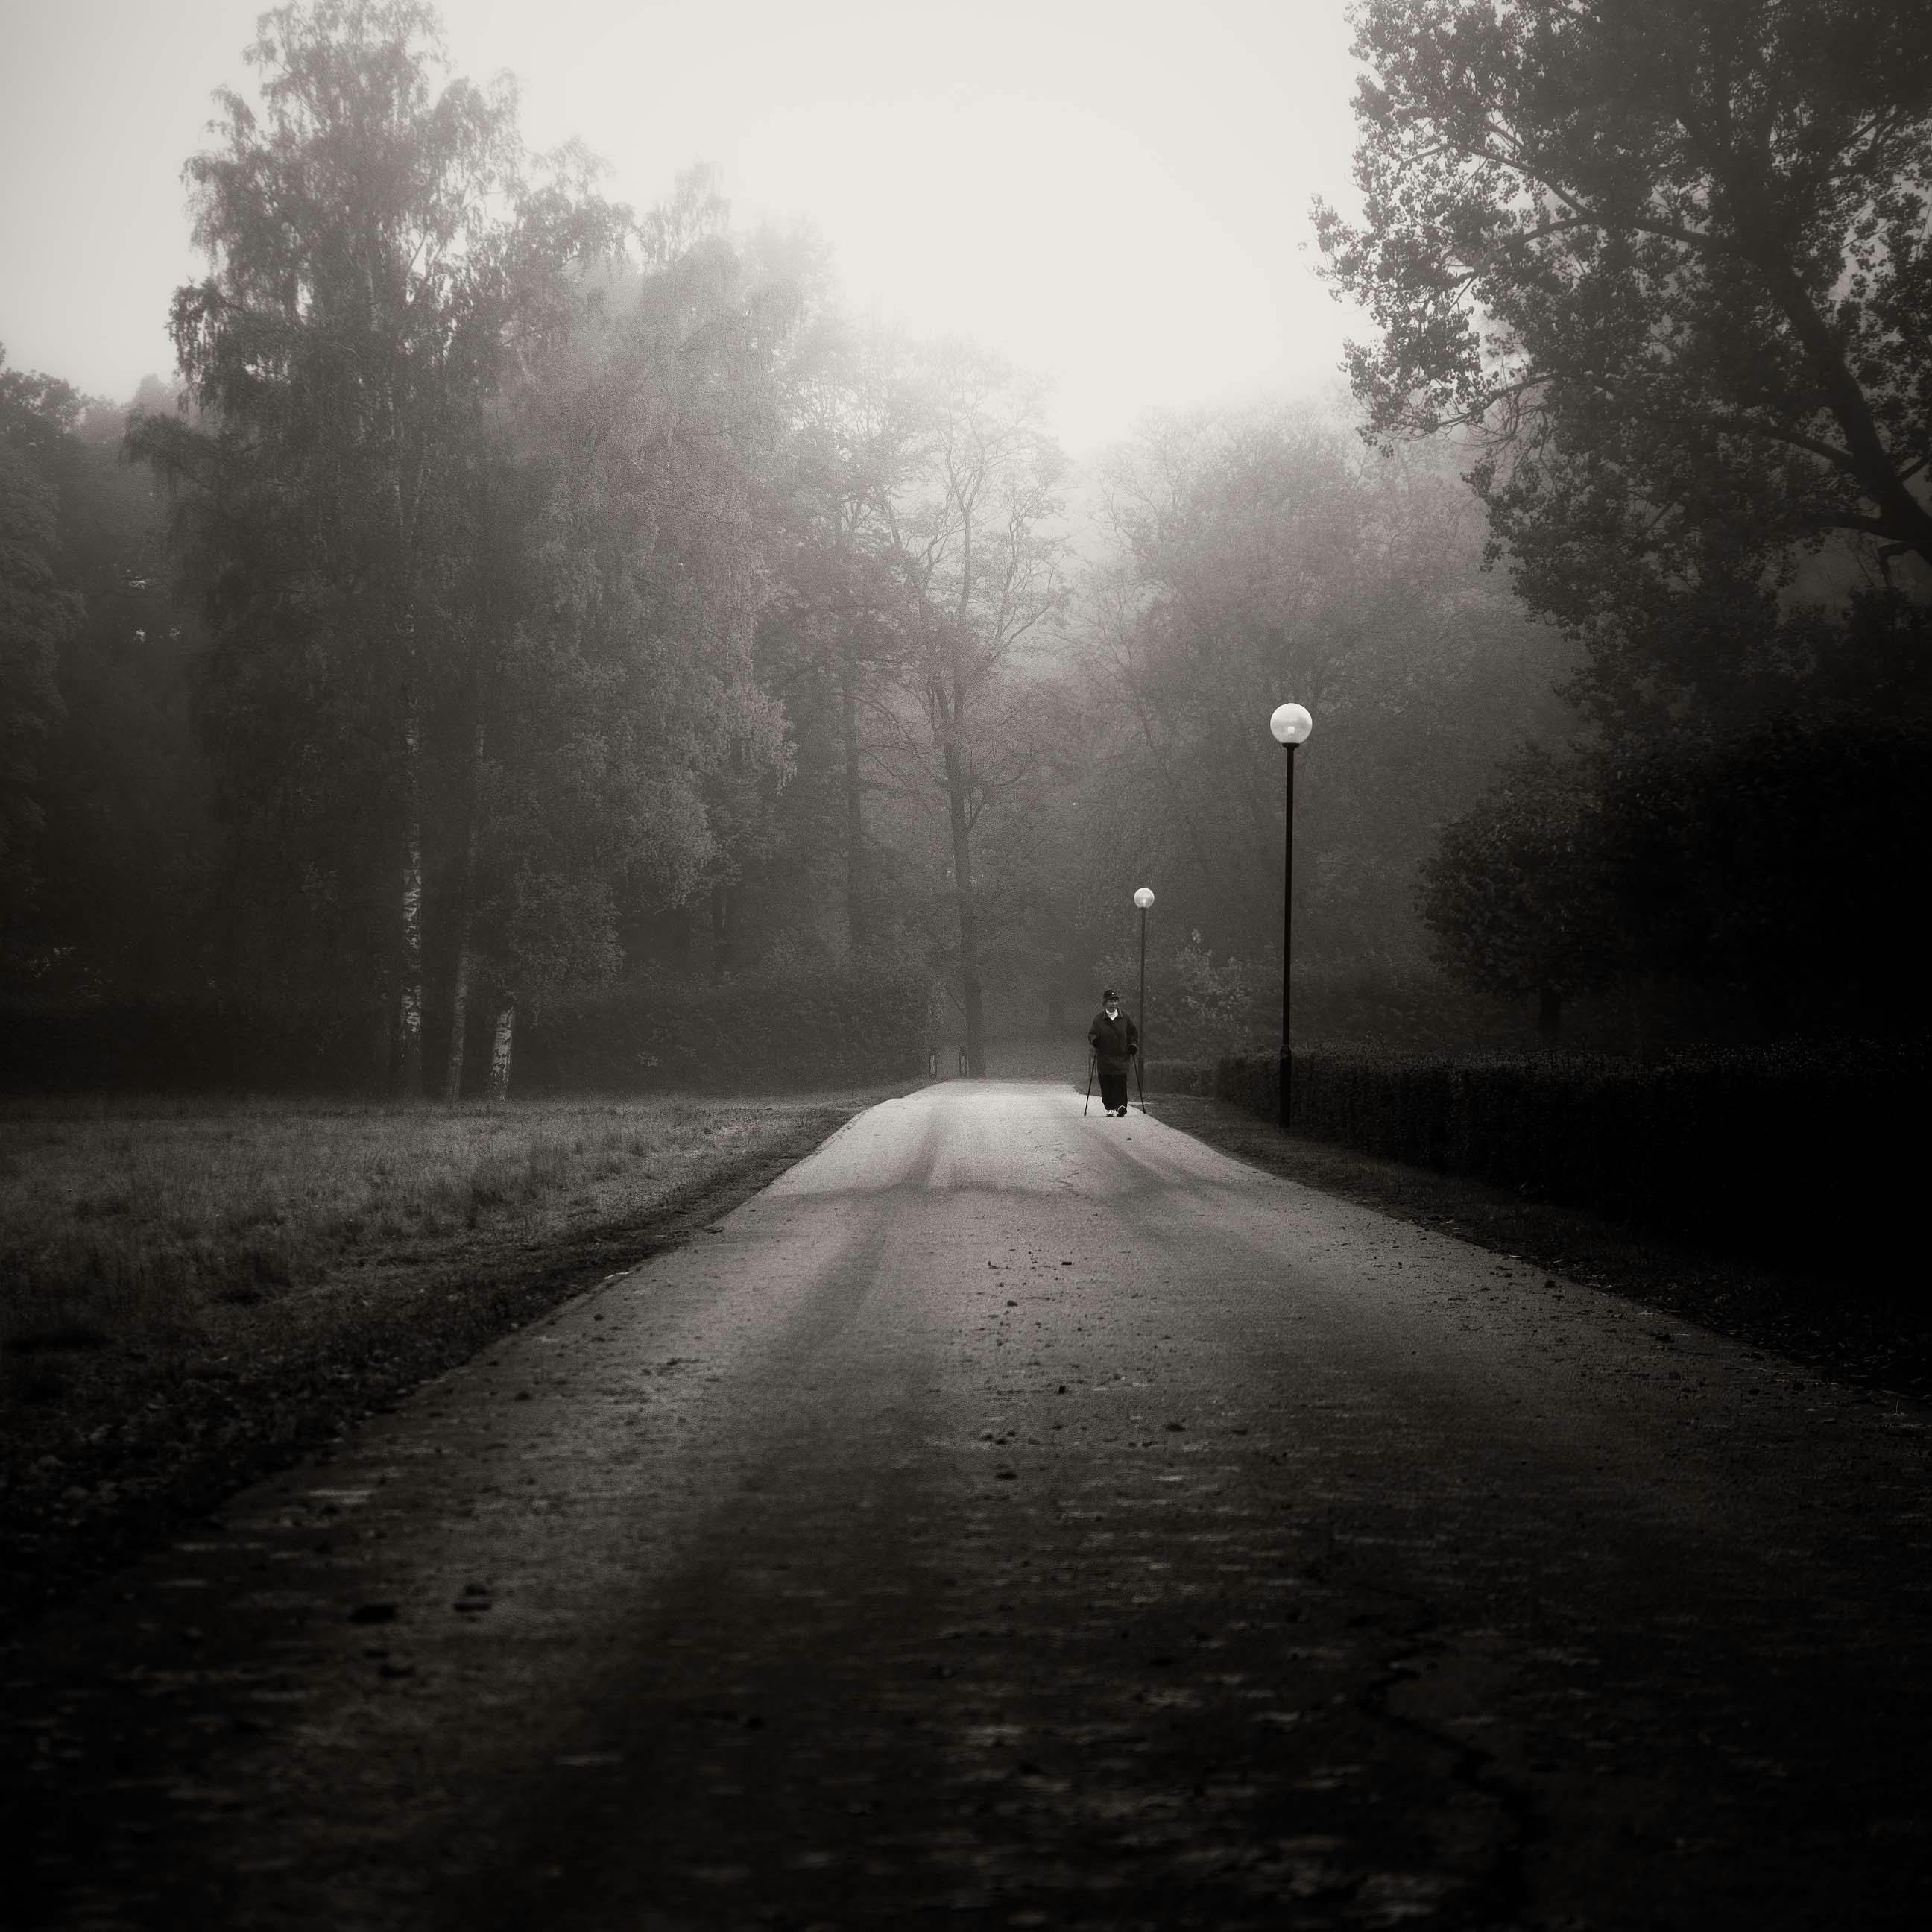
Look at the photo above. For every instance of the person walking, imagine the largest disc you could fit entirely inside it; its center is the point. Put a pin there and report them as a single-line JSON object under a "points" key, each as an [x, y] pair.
{"points": [[1115, 1040]]}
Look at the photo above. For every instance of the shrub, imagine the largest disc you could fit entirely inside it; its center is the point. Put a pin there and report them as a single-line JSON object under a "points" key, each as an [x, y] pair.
{"points": [[1793, 1152], [1773, 866], [1179, 1076], [1200, 1007], [843, 1023]]}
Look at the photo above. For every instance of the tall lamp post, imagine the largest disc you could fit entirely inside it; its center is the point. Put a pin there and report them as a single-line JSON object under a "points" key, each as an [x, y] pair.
{"points": [[1144, 898], [1290, 725]]}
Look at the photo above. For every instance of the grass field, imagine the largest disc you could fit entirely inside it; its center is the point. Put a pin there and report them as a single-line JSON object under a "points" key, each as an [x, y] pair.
{"points": [[191, 1292], [160, 1218]]}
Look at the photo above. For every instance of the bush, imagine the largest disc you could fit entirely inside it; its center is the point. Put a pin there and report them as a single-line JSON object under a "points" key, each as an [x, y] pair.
{"points": [[1178, 1076], [178, 1046], [848, 1024], [1793, 1153], [1200, 1007], [1772, 867]]}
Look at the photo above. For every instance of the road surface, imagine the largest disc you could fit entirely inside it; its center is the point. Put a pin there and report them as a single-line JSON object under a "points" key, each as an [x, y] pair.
{"points": [[1013, 1519]]}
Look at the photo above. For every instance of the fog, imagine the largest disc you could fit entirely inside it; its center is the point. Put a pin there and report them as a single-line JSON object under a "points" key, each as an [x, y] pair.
{"points": [[1114, 195], [637, 517]]}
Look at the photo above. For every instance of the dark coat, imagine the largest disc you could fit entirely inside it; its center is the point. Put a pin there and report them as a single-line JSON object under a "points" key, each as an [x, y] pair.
{"points": [[1113, 1041]]}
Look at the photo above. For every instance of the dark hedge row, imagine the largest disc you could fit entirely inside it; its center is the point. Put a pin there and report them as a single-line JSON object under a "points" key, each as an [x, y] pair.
{"points": [[175, 1046], [1808, 1153], [830, 1025], [834, 1025]]}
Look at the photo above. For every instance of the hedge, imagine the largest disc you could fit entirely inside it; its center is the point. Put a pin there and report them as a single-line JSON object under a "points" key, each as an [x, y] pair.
{"points": [[832, 1025], [1799, 1153], [178, 1046]]}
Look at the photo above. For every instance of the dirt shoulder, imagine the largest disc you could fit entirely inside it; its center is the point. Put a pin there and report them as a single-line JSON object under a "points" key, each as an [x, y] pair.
{"points": [[140, 1438], [1856, 1326]]}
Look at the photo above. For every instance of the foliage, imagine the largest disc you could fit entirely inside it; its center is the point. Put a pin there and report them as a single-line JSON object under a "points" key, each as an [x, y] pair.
{"points": [[470, 506], [1673, 259], [36, 614], [103, 895], [1769, 866], [1778, 866], [1713, 1147], [381, 265], [1516, 895]]}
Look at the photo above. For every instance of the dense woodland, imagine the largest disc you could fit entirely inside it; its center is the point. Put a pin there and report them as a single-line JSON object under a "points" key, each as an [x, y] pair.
{"points": [[523, 624]]}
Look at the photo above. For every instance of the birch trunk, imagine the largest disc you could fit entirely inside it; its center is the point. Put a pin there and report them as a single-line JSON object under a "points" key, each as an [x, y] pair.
{"points": [[459, 990], [499, 1051], [410, 987]]}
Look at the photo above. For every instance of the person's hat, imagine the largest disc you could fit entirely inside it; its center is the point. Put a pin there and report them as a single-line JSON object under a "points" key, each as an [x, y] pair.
{"points": [[1108, 994]]}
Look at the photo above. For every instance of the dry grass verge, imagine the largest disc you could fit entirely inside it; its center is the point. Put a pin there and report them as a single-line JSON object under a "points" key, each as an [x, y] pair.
{"points": [[1873, 1341], [192, 1293]]}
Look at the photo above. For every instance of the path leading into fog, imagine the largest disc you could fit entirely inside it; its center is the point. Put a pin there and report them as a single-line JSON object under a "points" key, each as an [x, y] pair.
{"points": [[1035, 1522]]}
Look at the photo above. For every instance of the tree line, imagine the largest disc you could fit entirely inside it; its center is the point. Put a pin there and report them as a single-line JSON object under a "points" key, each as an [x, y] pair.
{"points": [[519, 598], [1667, 269]]}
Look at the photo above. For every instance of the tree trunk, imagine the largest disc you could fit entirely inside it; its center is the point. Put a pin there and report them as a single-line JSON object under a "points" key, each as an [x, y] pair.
{"points": [[409, 984], [499, 1051], [970, 996], [459, 1011], [459, 990], [857, 926], [1549, 1017]]}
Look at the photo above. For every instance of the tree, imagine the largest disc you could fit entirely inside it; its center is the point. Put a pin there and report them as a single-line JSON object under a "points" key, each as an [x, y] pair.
{"points": [[1774, 867], [1518, 895], [37, 613], [838, 641], [1671, 258], [965, 522], [1266, 555], [379, 258], [620, 737]]}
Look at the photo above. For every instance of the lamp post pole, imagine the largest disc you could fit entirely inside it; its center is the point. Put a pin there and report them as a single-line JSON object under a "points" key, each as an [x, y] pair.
{"points": [[1290, 726], [1144, 898]]}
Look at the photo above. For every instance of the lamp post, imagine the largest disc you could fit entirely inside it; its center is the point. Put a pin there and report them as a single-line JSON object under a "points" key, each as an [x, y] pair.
{"points": [[1144, 898], [1290, 725]]}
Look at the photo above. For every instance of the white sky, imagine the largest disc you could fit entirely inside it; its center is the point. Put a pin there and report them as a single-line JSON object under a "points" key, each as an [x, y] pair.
{"points": [[1113, 193]]}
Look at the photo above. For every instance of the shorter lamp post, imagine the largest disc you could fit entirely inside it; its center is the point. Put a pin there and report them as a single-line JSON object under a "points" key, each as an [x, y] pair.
{"points": [[1144, 898], [1290, 725]]}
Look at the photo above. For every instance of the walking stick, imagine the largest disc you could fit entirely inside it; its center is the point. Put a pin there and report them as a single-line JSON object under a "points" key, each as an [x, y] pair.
{"points": [[1140, 1081], [1089, 1101]]}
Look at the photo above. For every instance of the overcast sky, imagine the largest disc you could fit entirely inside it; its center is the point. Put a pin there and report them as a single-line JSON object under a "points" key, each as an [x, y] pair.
{"points": [[1114, 193]]}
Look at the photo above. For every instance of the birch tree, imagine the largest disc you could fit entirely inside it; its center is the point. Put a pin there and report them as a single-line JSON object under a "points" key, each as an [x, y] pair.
{"points": [[377, 253]]}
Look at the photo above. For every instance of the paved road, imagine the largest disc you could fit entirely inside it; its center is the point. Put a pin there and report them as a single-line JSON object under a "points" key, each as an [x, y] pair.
{"points": [[1037, 1522]]}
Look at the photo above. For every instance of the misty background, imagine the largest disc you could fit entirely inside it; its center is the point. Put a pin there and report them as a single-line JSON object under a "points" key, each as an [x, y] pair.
{"points": [[726, 544]]}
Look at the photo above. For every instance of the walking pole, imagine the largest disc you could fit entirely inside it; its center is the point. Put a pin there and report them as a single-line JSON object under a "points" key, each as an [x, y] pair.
{"points": [[1140, 1081], [1089, 1101]]}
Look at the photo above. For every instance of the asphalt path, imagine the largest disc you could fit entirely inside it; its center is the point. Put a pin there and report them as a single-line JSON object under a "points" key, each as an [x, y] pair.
{"points": [[1029, 1520]]}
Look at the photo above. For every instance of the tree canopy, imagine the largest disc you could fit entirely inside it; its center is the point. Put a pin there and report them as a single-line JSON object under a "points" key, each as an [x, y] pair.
{"points": [[1672, 257]]}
